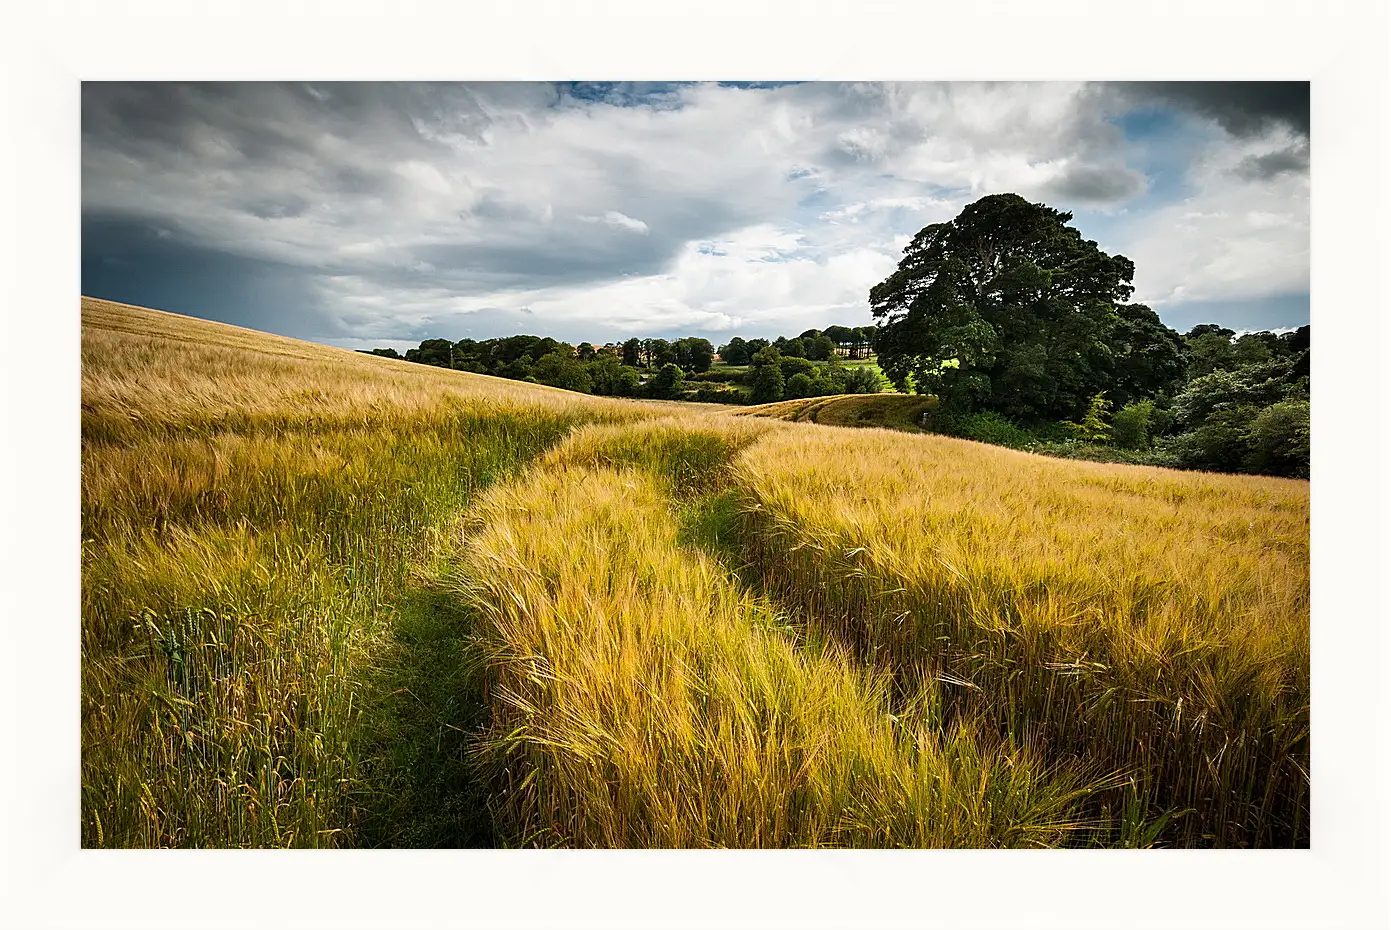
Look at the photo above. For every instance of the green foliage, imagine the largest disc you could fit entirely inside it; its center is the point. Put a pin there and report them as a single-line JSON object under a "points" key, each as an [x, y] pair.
{"points": [[856, 341], [800, 385], [1270, 439], [1252, 419], [1254, 348], [1219, 442], [1297, 341], [437, 352], [518, 370], [986, 426], [1132, 426], [1005, 310], [1160, 456], [735, 352], [721, 375], [664, 385], [1008, 308], [839, 335], [563, 371], [791, 366], [692, 353], [659, 352], [1209, 351], [1255, 386], [1278, 438], [765, 378], [1148, 357], [861, 380], [613, 379], [718, 394], [1093, 427], [1162, 419], [819, 348]]}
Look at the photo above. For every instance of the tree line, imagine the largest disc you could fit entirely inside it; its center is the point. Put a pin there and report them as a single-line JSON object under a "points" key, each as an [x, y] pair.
{"points": [[807, 365], [816, 345], [1024, 332]]}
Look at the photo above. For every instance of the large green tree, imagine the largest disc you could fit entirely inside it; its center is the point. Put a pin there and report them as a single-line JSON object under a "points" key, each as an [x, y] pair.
{"points": [[1007, 308], [560, 369], [765, 377], [842, 337], [1209, 349], [609, 376], [438, 352], [1148, 357], [735, 352], [819, 347], [694, 353], [664, 385]]}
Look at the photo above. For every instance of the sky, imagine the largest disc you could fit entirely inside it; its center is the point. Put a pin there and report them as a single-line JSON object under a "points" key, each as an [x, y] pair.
{"points": [[367, 215]]}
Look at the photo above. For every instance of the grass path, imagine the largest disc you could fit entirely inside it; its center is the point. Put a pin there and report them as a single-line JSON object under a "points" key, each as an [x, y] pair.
{"points": [[640, 697], [252, 512], [421, 786]]}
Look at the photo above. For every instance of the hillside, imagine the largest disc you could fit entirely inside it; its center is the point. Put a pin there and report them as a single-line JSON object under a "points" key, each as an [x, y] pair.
{"points": [[333, 599], [889, 411]]}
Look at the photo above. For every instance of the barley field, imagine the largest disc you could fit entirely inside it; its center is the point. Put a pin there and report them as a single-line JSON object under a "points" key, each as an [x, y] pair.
{"points": [[336, 600]]}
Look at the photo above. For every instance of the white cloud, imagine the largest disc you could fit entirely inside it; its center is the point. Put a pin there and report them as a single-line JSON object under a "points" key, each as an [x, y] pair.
{"points": [[1235, 237], [420, 205], [743, 285]]}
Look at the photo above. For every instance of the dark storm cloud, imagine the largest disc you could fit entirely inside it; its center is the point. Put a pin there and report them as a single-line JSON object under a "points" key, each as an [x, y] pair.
{"points": [[369, 171], [227, 130], [1242, 108], [133, 262], [1263, 167], [572, 261], [281, 208], [265, 122], [1096, 185], [494, 204]]}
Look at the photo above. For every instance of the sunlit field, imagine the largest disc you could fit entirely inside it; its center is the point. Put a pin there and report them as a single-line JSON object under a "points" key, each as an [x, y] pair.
{"points": [[1132, 620], [336, 600], [253, 511]]}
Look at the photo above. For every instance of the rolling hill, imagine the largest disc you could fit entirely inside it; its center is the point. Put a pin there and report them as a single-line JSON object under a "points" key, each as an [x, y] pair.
{"points": [[337, 600]]}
